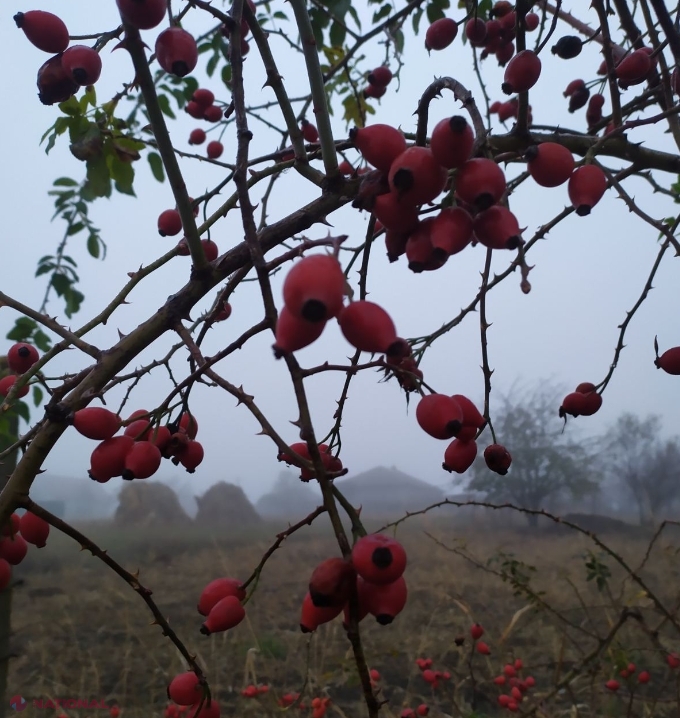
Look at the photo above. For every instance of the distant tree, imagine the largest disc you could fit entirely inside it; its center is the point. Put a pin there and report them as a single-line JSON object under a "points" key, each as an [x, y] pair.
{"points": [[546, 461], [647, 467]]}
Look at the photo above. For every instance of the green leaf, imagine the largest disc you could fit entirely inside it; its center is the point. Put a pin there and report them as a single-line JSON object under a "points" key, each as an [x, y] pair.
{"points": [[21, 408], [156, 164], [355, 16], [226, 75], [98, 177], [65, 182], [122, 173], [70, 107], [164, 103], [93, 246], [211, 65], [384, 11], [41, 340], [75, 228], [190, 86], [37, 395], [22, 330], [337, 34], [89, 98], [415, 20]]}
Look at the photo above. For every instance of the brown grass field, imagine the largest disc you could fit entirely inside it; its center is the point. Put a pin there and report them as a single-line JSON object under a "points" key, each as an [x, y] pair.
{"points": [[79, 631]]}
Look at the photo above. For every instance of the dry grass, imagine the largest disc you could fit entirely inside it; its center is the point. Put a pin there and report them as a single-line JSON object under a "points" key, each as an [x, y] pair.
{"points": [[82, 632]]}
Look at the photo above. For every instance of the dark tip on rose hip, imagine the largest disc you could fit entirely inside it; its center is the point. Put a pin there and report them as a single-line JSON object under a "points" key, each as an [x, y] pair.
{"points": [[382, 557]]}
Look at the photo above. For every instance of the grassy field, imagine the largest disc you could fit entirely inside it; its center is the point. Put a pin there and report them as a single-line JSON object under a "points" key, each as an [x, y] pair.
{"points": [[550, 599]]}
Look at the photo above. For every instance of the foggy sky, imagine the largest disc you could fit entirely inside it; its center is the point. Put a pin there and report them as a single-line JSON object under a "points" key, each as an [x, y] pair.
{"points": [[588, 272]]}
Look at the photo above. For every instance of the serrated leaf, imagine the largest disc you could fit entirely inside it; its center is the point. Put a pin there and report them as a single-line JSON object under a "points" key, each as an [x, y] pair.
{"points": [[41, 340], [37, 395], [22, 330], [122, 173], [384, 11], [98, 177], [71, 107], [156, 164]]}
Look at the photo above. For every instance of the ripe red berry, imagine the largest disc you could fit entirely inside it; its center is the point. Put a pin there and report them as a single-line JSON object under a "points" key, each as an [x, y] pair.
{"points": [[500, 680], [385, 601], [439, 416], [459, 456], [380, 77], [531, 21], [476, 631], [482, 648], [191, 456], [311, 616], [612, 685], [96, 422], [644, 677], [587, 186], [497, 458], [210, 250], [504, 700], [549, 164], [673, 660], [594, 111], [225, 614], [108, 458], [379, 559], [480, 182], [395, 243], [498, 228], [197, 136], [395, 215], [185, 689], [293, 333], [12, 526], [143, 460], [21, 357], [82, 63], [504, 53], [451, 231], [529, 681], [5, 574], [44, 30], [176, 51], [7, 382], [216, 590], [13, 549], [416, 176], [188, 424], [374, 91], [34, 529], [509, 670], [309, 131], [633, 69], [194, 110], [203, 97], [379, 144], [452, 141], [440, 34], [368, 327], [54, 83], [142, 14], [169, 223], [314, 288], [213, 113], [331, 583], [214, 149], [420, 252], [522, 72], [669, 361], [475, 31]]}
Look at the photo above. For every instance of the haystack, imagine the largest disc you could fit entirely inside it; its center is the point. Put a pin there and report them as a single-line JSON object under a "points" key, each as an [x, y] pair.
{"points": [[226, 505], [149, 503]]}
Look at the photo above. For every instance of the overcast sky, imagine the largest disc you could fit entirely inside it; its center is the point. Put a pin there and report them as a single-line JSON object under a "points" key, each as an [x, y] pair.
{"points": [[588, 273]]}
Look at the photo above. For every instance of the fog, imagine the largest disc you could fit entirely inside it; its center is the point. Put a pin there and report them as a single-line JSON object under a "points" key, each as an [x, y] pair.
{"points": [[588, 273]]}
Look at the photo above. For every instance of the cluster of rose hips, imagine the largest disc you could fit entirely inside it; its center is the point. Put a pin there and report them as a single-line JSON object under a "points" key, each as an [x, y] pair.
{"points": [[69, 68], [494, 36], [378, 80], [429, 675], [319, 705], [643, 677], [170, 225], [584, 401], [374, 572], [187, 693], [518, 686], [20, 358], [253, 691], [444, 417], [138, 451], [422, 710], [202, 107], [15, 536]]}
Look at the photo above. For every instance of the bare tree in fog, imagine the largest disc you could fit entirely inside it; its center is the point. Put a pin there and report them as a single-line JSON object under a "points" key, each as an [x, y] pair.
{"points": [[546, 461], [643, 467]]}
